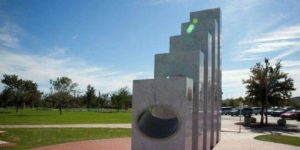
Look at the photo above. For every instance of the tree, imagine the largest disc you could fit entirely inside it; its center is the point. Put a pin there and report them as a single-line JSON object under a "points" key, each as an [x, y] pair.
{"points": [[121, 98], [30, 93], [267, 86], [102, 100], [90, 96], [6, 97], [20, 91], [61, 88]]}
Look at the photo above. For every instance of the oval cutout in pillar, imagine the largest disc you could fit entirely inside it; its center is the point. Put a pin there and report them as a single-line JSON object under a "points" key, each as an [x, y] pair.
{"points": [[158, 122]]}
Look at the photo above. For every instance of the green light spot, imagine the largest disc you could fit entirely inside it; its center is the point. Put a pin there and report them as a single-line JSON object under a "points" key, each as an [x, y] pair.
{"points": [[195, 21], [190, 28]]}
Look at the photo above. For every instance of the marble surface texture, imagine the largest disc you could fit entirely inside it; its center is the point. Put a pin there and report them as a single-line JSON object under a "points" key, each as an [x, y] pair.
{"points": [[193, 60]]}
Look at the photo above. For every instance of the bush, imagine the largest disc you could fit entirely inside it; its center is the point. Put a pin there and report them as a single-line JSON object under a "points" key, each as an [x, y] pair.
{"points": [[253, 120], [247, 121], [281, 122]]}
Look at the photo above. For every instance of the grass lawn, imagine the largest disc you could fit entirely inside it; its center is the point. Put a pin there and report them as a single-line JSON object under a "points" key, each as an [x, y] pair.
{"points": [[34, 116], [284, 139], [31, 138]]}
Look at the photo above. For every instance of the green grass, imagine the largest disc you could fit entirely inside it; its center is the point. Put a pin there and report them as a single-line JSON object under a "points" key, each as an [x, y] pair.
{"points": [[31, 138], [34, 116], [284, 139]]}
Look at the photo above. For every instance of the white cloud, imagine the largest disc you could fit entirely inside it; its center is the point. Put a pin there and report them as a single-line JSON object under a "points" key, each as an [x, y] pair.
{"points": [[283, 33], [232, 82], [58, 51], [8, 35], [285, 53], [290, 63], [41, 69], [294, 73], [285, 39], [270, 47]]}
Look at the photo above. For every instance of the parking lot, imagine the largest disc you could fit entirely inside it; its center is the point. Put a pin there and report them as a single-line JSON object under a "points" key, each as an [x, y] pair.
{"points": [[228, 121]]}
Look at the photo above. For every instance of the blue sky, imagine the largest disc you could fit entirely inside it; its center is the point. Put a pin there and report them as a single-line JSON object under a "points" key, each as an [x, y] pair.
{"points": [[109, 43]]}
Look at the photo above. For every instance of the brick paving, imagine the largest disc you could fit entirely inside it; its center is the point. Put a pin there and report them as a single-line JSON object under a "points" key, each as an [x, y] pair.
{"points": [[104, 144]]}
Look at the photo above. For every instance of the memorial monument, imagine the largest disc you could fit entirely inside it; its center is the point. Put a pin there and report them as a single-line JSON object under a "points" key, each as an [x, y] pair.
{"points": [[179, 108]]}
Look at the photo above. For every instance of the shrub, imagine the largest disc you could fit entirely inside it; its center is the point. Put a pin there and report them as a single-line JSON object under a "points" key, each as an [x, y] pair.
{"points": [[281, 122], [253, 120]]}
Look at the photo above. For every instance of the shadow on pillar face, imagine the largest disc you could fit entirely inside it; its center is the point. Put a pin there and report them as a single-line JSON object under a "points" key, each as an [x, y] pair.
{"points": [[158, 122]]}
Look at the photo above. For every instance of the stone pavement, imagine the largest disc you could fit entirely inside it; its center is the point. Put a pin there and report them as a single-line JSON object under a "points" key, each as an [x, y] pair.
{"points": [[246, 141], [125, 125], [232, 140]]}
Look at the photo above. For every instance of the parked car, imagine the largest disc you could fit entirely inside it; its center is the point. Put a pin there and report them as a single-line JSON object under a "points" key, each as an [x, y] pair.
{"points": [[256, 110], [247, 111], [270, 111], [289, 114], [235, 112], [298, 115], [226, 110], [280, 111]]}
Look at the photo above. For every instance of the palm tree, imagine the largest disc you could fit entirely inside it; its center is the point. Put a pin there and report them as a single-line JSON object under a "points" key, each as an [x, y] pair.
{"points": [[268, 86]]}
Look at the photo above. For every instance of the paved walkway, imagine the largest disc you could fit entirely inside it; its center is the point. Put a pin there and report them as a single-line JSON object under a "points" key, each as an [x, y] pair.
{"points": [[229, 141], [104, 144], [125, 125], [246, 141]]}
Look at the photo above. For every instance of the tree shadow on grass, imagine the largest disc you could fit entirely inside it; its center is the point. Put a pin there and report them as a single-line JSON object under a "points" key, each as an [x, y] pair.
{"points": [[5, 112]]}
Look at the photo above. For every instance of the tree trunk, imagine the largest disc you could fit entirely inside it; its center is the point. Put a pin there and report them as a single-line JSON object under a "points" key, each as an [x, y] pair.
{"points": [[60, 110], [60, 107], [266, 115], [262, 116], [23, 105], [17, 108], [17, 104]]}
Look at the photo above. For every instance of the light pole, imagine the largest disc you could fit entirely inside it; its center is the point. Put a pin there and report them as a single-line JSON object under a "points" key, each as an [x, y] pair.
{"points": [[241, 107], [266, 86], [267, 82]]}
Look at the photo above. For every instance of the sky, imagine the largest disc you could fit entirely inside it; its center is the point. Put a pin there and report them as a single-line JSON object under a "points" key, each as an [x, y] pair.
{"points": [[109, 43]]}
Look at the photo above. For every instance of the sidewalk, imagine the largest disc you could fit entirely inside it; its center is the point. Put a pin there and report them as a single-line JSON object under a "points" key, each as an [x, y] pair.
{"points": [[246, 141], [232, 140]]}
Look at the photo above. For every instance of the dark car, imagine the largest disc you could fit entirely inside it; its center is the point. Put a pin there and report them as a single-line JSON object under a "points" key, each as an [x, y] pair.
{"points": [[289, 114], [280, 111], [235, 112], [298, 116], [247, 111], [226, 110]]}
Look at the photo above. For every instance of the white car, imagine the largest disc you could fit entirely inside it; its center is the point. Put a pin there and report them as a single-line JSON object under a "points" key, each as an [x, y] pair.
{"points": [[256, 110]]}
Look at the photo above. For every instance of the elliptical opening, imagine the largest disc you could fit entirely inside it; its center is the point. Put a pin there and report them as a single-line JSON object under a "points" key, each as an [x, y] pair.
{"points": [[158, 122]]}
